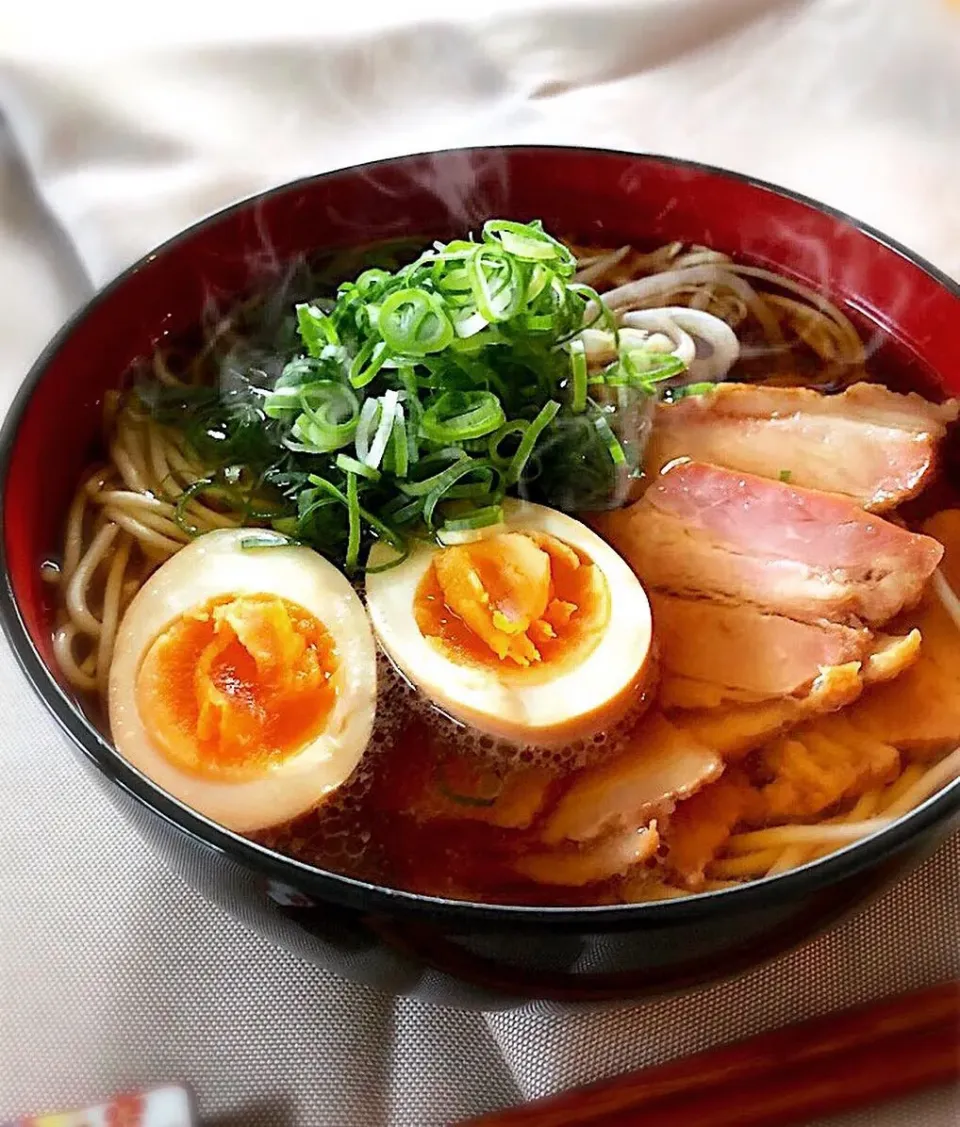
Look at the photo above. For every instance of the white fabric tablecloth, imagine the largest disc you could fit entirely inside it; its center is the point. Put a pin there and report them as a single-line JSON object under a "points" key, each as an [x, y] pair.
{"points": [[112, 137]]}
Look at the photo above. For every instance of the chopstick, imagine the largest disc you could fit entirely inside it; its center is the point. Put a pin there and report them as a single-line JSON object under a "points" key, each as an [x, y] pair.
{"points": [[824, 1066]]}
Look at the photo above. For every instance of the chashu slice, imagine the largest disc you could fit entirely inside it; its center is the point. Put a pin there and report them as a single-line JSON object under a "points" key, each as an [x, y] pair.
{"points": [[872, 445], [701, 530], [748, 649], [661, 765]]}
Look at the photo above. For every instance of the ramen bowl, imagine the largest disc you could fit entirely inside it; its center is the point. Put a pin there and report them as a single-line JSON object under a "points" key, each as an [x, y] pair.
{"points": [[477, 955]]}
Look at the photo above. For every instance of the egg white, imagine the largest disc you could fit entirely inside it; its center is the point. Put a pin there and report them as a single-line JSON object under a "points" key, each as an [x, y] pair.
{"points": [[216, 565], [577, 701]]}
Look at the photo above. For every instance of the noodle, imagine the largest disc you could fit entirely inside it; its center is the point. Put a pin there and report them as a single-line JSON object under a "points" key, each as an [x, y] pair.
{"points": [[800, 834], [750, 865], [148, 536], [795, 855], [113, 594], [599, 266], [660, 288], [80, 583], [947, 770], [891, 794], [123, 521], [78, 674], [749, 852], [708, 280]]}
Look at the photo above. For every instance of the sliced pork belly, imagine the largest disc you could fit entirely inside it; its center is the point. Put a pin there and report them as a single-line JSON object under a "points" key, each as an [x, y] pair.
{"points": [[703, 530], [662, 764], [733, 731], [749, 649], [574, 867], [869, 444], [835, 687]]}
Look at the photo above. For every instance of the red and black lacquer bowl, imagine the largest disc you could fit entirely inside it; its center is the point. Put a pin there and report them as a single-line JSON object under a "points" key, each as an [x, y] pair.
{"points": [[451, 952]]}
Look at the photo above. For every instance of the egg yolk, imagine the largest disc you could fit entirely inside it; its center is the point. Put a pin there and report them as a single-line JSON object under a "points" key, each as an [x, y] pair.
{"points": [[236, 685], [517, 600]]}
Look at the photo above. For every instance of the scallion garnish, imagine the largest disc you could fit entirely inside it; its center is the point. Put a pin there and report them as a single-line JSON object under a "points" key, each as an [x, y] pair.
{"points": [[353, 516], [351, 465], [518, 462], [418, 396]]}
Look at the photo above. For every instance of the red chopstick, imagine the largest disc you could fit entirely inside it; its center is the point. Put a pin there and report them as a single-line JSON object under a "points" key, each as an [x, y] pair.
{"points": [[830, 1064]]}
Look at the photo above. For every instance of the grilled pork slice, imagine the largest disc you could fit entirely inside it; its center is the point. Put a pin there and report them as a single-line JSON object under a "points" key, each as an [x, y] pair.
{"points": [[734, 730], [749, 649], [571, 866], [702, 530], [661, 765], [869, 444], [835, 687]]}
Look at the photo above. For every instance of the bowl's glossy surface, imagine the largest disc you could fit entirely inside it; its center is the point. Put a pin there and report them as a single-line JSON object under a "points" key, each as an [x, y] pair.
{"points": [[463, 954]]}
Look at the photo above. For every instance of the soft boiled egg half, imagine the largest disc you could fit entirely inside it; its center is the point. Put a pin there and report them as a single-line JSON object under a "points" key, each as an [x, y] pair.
{"points": [[244, 679], [536, 632]]}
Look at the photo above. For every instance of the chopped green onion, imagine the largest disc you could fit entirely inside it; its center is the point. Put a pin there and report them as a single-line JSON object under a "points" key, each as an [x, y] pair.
{"points": [[368, 362], [388, 413], [414, 412], [705, 387], [646, 368], [329, 416], [610, 440], [351, 465], [366, 428], [457, 416], [287, 527], [588, 295], [316, 329], [529, 241], [444, 482], [518, 427], [403, 552], [441, 480], [353, 516], [180, 509], [262, 538], [327, 487], [785, 476], [480, 518], [302, 369], [371, 280], [383, 530], [414, 323], [545, 417], [496, 284], [407, 511], [578, 366], [400, 444], [419, 398]]}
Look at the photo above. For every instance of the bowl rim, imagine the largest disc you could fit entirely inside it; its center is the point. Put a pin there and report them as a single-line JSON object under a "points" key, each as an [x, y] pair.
{"points": [[327, 885]]}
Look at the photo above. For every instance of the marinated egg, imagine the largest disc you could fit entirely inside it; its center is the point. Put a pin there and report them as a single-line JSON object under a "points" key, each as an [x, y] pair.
{"points": [[244, 680], [536, 632]]}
